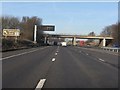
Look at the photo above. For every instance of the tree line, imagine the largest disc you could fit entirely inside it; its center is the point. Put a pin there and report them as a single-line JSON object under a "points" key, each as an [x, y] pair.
{"points": [[26, 25], [114, 31]]}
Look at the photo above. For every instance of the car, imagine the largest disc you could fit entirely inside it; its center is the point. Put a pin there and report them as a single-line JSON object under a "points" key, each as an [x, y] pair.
{"points": [[64, 44]]}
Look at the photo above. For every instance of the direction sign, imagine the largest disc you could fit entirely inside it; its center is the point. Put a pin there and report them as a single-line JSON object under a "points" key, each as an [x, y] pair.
{"points": [[47, 28], [11, 32]]}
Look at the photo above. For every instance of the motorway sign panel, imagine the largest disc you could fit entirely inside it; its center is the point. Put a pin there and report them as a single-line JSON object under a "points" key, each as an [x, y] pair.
{"points": [[11, 32], [47, 28]]}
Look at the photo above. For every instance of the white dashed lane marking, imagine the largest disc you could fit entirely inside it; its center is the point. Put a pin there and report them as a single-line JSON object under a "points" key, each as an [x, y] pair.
{"points": [[55, 53], [53, 59], [40, 84]]}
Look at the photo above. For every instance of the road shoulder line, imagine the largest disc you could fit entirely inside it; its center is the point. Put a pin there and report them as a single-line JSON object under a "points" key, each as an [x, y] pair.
{"points": [[20, 54]]}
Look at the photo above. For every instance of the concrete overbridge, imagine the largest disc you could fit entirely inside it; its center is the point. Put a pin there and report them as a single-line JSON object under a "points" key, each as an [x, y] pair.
{"points": [[102, 39]]}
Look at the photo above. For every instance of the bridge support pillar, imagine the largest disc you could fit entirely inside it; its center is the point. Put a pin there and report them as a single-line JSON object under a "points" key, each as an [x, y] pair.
{"points": [[104, 42], [45, 40], [74, 41]]}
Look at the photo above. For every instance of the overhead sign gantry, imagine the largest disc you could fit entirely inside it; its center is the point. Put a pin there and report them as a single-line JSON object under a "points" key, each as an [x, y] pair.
{"points": [[43, 28], [47, 28]]}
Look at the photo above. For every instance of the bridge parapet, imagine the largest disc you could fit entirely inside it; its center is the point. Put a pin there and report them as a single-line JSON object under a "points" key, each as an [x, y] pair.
{"points": [[81, 36]]}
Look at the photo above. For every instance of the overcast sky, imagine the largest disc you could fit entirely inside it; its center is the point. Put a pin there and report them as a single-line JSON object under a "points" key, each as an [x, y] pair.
{"points": [[68, 17]]}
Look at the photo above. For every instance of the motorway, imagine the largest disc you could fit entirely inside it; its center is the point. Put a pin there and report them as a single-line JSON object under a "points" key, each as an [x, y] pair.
{"points": [[59, 67]]}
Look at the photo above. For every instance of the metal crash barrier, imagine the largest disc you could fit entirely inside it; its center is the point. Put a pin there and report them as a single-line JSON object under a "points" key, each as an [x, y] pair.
{"points": [[111, 49]]}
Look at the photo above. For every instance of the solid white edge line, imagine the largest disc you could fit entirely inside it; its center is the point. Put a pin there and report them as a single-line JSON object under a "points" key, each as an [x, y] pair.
{"points": [[40, 84], [20, 54], [53, 59]]}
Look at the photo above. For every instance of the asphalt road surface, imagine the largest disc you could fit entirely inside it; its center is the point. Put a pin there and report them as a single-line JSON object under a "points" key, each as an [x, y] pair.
{"points": [[59, 67]]}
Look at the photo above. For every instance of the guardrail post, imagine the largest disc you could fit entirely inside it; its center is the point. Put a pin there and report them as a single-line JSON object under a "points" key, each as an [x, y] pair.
{"points": [[117, 50]]}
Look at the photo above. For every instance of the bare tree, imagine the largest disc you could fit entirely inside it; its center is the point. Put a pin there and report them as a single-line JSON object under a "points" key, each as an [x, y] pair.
{"points": [[114, 31], [27, 26], [91, 34], [107, 31], [10, 22]]}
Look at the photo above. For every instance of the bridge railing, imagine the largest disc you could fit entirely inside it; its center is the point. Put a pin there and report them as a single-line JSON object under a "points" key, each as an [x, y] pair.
{"points": [[111, 49]]}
